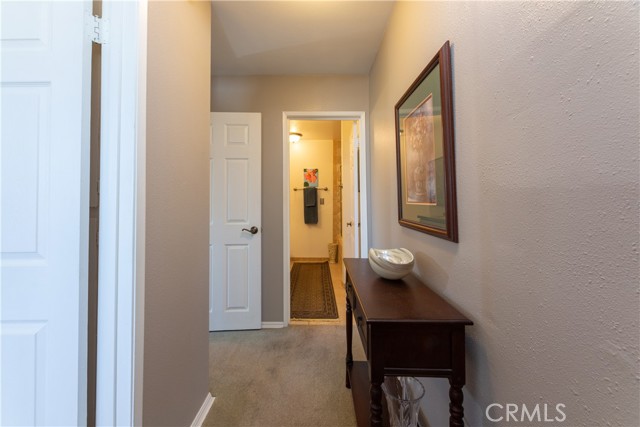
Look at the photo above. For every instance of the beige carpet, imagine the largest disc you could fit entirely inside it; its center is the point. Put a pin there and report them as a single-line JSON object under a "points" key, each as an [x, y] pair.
{"points": [[280, 377]]}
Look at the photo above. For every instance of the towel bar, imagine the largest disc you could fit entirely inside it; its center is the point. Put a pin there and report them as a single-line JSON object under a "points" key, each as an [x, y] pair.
{"points": [[317, 188]]}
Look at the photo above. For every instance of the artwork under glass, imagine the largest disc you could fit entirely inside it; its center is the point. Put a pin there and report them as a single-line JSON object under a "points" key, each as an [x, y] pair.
{"points": [[425, 153]]}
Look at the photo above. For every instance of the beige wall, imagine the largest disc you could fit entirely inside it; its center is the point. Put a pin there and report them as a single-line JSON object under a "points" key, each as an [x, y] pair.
{"points": [[546, 127], [271, 96], [311, 240], [177, 213]]}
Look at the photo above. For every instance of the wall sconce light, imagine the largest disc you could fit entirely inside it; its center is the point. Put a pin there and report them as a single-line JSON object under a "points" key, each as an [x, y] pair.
{"points": [[294, 137]]}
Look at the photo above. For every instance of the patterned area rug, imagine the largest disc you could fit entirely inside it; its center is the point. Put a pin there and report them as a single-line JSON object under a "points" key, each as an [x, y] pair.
{"points": [[312, 294]]}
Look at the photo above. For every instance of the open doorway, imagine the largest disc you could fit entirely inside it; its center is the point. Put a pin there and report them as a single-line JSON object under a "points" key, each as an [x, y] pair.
{"points": [[315, 213], [326, 164]]}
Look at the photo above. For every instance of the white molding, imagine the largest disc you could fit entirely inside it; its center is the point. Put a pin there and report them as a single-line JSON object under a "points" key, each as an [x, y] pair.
{"points": [[140, 198], [286, 244], [204, 411], [272, 325], [364, 177], [364, 189], [121, 255]]}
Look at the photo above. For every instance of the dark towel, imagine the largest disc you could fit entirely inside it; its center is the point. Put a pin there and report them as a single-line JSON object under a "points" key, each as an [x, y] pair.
{"points": [[310, 196], [310, 205]]}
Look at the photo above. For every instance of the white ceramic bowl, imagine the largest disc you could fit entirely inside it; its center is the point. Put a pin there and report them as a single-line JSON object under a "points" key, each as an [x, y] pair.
{"points": [[391, 263]]}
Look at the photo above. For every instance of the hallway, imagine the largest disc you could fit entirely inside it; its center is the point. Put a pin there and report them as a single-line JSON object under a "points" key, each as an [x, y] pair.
{"points": [[280, 377]]}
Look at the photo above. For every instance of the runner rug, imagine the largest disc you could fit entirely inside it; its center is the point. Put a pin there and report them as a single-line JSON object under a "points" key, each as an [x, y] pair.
{"points": [[312, 295]]}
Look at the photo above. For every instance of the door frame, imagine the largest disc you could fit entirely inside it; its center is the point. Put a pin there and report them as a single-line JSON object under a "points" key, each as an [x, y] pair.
{"points": [[119, 380], [364, 199]]}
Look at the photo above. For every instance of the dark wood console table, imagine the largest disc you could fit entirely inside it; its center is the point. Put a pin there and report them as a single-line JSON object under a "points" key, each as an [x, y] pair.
{"points": [[406, 330]]}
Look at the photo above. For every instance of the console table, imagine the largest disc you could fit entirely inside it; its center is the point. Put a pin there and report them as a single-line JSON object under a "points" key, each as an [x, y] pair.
{"points": [[406, 330]]}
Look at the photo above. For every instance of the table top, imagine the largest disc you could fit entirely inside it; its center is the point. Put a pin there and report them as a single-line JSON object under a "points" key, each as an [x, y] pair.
{"points": [[404, 300]]}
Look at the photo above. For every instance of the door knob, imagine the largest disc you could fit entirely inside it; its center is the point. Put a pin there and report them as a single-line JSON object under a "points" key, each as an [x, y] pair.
{"points": [[252, 230], [350, 224]]}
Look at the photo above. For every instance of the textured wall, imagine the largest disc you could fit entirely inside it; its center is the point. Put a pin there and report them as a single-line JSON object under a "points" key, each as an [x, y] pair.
{"points": [[177, 215], [271, 96], [546, 126]]}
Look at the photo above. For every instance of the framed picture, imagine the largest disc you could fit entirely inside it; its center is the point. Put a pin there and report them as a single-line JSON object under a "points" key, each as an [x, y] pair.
{"points": [[311, 177], [425, 155]]}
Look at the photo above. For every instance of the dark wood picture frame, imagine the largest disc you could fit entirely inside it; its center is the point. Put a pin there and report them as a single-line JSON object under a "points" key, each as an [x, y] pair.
{"points": [[425, 151]]}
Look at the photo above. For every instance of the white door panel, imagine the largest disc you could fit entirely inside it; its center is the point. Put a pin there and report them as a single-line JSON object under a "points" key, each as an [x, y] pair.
{"points": [[235, 205], [45, 147]]}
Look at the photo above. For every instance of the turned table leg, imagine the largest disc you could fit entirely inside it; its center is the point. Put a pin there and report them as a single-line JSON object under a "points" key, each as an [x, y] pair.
{"points": [[456, 411], [376, 403], [457, 379]]}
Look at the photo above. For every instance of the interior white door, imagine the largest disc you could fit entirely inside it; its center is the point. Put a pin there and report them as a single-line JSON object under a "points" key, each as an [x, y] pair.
{"points": [[45, 212], [235, 232], [350, 199]]}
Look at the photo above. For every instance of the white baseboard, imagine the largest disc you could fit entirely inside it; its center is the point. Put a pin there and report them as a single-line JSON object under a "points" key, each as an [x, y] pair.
{"points": [[272, 325], [204, 411]]}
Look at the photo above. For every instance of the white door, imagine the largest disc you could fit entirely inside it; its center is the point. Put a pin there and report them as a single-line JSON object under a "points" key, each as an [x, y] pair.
{"points": [[350, 195], [45, 212], [235, 232]]}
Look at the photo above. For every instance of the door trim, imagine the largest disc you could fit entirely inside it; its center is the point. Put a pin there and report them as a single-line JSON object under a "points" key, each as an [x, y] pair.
{"points": [[364, 199], [122, 216], [198, 421]]}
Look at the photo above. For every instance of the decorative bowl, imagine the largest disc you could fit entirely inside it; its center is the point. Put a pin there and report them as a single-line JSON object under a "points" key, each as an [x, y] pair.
{"points": [[391, 264]]}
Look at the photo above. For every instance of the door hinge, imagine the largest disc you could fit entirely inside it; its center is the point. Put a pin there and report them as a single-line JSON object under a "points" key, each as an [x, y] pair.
{"points": [[98, 29]]}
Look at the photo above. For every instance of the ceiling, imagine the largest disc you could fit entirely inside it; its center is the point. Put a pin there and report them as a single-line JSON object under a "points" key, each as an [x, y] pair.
{"points": [[316, 129], [296, 36]]}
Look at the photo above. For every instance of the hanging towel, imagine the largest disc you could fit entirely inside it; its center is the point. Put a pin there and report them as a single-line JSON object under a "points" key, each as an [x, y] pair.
{"points": [[310, 205]]}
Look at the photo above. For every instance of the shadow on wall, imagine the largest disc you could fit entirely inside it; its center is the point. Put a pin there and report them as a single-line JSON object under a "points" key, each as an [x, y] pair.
{"points": [[479, 379], [437, 279], [430, 271]]}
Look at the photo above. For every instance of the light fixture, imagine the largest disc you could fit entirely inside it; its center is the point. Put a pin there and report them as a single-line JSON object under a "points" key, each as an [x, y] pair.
{"points": [[294, 137]]}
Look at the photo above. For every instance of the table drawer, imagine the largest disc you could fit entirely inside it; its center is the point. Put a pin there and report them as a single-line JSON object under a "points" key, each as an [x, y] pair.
{"points": [[358, 316], [363, 329], [350, 293]]}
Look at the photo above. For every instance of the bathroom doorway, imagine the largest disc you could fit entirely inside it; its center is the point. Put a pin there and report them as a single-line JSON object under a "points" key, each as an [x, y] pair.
{"points": [[323, 159]]}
